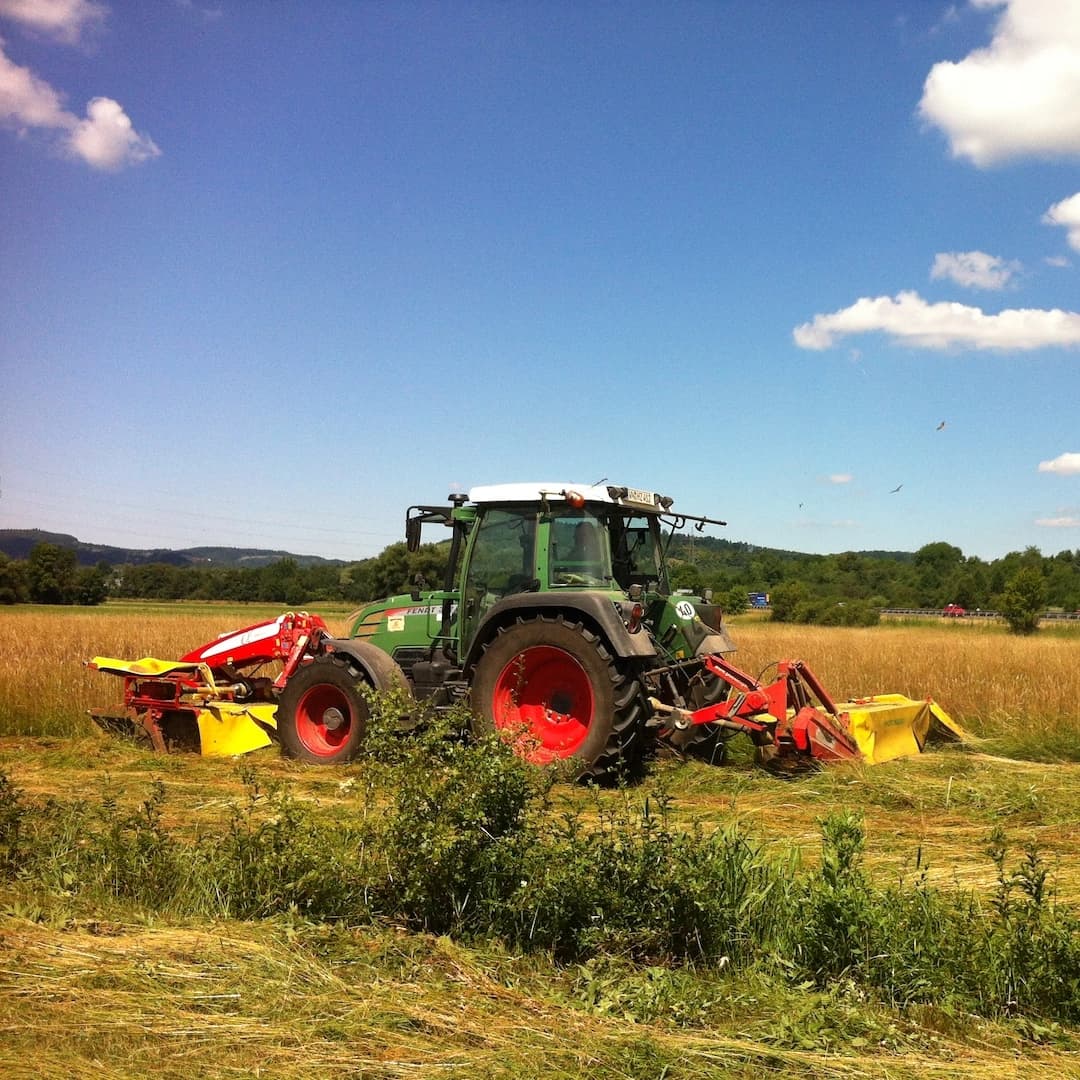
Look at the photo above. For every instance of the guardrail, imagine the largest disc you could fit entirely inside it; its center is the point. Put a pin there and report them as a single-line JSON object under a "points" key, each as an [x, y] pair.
{"points": [[937, 613]]}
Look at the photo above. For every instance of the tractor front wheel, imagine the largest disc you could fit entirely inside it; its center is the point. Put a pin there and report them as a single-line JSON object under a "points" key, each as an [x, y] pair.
{"points": [[706, 742], [553, 688], [322, 714]]}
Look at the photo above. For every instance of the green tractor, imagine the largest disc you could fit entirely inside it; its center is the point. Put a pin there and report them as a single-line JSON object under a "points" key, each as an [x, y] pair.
{"points": [[557, 623]]}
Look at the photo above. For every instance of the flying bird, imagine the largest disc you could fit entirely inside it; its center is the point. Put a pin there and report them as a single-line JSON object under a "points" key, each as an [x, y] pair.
{"points": [[896, 489], [940, 426]]}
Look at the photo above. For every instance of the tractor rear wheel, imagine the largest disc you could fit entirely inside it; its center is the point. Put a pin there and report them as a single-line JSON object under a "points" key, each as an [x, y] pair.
{"points": [[322, 714], [554, 688]]}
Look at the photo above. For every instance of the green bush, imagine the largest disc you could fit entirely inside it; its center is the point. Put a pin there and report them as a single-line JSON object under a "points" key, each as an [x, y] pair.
{"points": [[1024, 600], [785, 600], [461, 838]]}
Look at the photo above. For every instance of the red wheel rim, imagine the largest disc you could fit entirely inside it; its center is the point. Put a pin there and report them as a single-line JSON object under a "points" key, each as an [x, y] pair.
{"points": [[545, 697], [324, 719]]}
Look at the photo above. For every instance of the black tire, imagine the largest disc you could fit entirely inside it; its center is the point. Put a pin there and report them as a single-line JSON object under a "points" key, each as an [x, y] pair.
{"points": [[322, 714], [571, 699], [705, 742]]}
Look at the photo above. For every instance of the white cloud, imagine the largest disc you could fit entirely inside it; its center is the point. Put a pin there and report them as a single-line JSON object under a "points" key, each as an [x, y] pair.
{"points": [[909, 319], [1017, 97], [63, 20], [27, 101], [1059, 522], [973, 269], [1063, 464], [1066, 214], [207, 13], [104, 139], [840, 478], [1059, 262]]}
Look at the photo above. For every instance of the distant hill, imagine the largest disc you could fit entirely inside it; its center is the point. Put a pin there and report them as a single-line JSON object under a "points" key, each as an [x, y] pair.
{"points": [[18, 543], [740, 550]]}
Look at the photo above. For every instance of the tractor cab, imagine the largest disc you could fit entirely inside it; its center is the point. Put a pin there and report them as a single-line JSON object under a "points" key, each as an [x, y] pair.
{"points": [[587, 552]]}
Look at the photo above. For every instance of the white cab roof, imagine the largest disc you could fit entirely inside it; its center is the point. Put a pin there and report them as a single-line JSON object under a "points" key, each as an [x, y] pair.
{"points": [[555, 492]]}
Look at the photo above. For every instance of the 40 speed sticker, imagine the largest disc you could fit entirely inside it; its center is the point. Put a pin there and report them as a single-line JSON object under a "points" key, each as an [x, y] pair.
{"points": [[684, 609]]}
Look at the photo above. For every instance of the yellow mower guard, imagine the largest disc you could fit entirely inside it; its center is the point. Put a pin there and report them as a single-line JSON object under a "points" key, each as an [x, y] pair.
{"points": [[226, 727], [888, 726]]}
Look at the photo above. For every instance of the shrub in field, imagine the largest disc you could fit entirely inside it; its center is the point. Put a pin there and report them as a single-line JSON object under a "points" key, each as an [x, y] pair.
{"points": [[791, 603], [785, 600], [447, 847], [1024, 600], [96, 848], [1032, 947], [914, 944], [639, 886], [12, 834], [276, 856], [838, 906]]}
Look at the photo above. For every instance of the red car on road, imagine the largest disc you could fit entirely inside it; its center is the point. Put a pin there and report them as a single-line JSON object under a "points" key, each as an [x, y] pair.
{"points": [[953, 609]]}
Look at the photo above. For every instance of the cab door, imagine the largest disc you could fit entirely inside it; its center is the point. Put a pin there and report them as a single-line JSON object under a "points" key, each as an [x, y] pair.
{"points": [[501, 560]]}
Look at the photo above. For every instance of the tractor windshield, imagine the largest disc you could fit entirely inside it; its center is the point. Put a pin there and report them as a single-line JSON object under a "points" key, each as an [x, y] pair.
{"points": [[579, 553]]}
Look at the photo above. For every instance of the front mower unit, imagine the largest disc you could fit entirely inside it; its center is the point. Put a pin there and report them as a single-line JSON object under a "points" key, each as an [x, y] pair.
{"points": [[181, 706]]}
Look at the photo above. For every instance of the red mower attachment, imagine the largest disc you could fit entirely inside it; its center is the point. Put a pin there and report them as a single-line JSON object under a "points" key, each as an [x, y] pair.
{"points": [[212, 698], [795, 722]]}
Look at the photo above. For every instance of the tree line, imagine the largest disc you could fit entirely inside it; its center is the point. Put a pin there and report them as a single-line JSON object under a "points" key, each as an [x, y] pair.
{"points": [[850, 587], [51, 575]]}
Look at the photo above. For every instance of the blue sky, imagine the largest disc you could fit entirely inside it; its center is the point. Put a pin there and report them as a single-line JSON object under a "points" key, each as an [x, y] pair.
{"points": [[270, 273]]}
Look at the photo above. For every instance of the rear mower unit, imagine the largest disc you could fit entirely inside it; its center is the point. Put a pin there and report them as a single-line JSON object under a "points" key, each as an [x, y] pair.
{"points": [[555, 623]]}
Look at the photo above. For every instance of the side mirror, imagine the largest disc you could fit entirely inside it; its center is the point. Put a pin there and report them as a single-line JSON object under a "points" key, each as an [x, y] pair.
{"points": [[419, 582], [412, 534]]}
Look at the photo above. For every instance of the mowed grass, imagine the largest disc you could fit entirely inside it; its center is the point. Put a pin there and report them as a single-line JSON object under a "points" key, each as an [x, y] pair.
{"points": [[114, 993], [94, 1000]]}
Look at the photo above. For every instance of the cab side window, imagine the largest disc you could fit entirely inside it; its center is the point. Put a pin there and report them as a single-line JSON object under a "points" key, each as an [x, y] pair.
{"points": [[503, 558], [636, 553]]}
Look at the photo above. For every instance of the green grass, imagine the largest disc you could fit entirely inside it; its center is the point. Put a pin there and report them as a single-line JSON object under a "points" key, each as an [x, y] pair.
{"points": [[442, 910]]}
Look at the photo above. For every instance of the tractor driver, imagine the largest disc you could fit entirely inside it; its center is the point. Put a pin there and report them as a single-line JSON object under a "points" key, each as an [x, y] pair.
{"points": [[586, 544]]}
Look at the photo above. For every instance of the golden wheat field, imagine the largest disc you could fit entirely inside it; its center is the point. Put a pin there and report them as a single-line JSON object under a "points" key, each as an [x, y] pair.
{"points": [[988, 680]]}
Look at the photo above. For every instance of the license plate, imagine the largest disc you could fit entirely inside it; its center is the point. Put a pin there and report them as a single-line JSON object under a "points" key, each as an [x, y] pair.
{"points": [[642, 498]]}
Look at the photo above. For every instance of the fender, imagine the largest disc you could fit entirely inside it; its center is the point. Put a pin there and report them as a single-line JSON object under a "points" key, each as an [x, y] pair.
{"points": [[595, 608], [379, 669]]}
